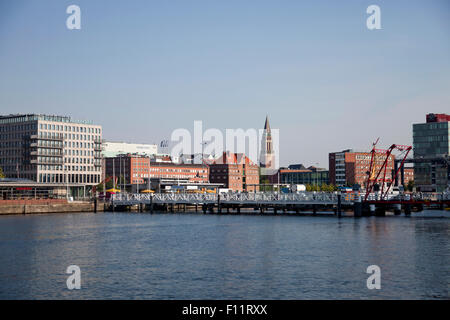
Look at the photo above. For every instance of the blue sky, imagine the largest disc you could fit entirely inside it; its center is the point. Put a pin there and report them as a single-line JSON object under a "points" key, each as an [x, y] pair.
{"points": [[144, 68]]}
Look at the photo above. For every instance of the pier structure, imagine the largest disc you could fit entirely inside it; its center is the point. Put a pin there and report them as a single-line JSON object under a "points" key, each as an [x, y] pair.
{"points": [[278, 203]]}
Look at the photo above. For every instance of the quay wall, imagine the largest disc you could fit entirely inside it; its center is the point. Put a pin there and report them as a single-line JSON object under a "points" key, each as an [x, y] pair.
{"points": [[36, 206]]}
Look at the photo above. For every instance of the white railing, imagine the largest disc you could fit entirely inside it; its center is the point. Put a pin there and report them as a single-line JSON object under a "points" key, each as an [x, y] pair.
{"points": [[235, 198], [418, 196]]}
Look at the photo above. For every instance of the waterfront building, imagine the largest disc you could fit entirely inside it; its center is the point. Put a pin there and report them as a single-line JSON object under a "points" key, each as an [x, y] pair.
{"points": [[431, 142], [24, 189], [133, 171], [51, 149], [408, 175], [112, 149], [167, 158], [348, 167], [236, 172], [298, 174]]}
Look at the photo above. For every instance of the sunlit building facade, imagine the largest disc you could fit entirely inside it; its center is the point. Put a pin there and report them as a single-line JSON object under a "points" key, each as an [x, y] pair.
{"points": [[51, 149]]}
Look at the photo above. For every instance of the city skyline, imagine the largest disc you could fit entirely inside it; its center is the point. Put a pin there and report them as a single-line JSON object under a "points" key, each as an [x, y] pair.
{"points": [[325, 80]]}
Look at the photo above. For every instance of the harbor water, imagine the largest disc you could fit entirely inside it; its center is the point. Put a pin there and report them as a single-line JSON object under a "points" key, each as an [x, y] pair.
{"points": [[196, 256]]}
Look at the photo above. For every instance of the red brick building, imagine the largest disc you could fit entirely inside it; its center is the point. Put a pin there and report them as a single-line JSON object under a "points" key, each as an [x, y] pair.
{"points": [[236, 172], [137, 169], [408, 175], [349, 168], [196, 173]]}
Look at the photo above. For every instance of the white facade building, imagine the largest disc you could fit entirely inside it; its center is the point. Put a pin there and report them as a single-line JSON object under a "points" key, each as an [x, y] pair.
{"points": [[51, 149], [112, 149]]}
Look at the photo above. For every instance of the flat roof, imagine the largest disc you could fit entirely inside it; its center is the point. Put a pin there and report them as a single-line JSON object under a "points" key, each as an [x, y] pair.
{"points": [[44, 117]]}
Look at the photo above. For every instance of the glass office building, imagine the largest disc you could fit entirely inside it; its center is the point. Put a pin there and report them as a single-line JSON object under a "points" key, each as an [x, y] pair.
{"points": [[316, 177], [431, 142]]}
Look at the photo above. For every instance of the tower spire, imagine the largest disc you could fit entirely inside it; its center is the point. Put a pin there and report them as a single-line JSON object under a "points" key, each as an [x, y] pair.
{"points": [[266, 155], [266, 125]]}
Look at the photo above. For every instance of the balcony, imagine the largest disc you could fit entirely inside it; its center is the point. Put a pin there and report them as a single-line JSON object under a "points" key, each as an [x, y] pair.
{"points": [[57, 162], [36, 153], [49, 146], [37, 137]]}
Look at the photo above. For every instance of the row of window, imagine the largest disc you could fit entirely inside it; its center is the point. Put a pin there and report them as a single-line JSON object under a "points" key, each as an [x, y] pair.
{"points": [[68, 178], [431, 138], [46, 143], [48, 167], [158, 169], [14, 136], [86, 153], [20, 127], [430, 151], [51, 151], [431, 145], [49, 160], [67, 128], [79, 160]]}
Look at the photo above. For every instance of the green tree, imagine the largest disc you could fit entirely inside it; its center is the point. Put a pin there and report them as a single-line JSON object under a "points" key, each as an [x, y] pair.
{"points": [[264, 180], [99, 187], [410, 185], [2, 175]]}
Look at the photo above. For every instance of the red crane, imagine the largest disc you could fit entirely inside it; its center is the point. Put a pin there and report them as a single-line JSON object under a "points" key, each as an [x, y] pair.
{"points": [[374, 175]]}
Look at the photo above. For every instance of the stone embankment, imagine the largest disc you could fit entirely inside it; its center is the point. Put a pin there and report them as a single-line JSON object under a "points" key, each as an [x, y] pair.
{"points": [[36, 206]]}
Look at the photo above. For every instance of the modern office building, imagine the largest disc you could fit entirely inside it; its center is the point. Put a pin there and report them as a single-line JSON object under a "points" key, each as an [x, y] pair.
{"points": [[51, 149], [112, 149], [348, 167], [336, 165], [297, 175], [236, 172], [431, 147]]}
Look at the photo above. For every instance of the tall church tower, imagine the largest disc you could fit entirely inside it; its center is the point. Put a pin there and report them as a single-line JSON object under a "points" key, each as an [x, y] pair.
{"points": [[266, 159]]}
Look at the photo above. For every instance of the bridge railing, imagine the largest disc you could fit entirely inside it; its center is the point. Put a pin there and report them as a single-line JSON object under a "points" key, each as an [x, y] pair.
{"points": [[239, 198], [418, 196], [267, 197]]}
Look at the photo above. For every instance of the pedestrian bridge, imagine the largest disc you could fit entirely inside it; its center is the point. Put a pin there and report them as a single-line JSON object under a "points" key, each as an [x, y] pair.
{"points": [[260, 198]]}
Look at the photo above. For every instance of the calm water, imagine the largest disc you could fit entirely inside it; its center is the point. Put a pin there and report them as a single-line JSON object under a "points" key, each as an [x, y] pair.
{"points": [[176, 256]]}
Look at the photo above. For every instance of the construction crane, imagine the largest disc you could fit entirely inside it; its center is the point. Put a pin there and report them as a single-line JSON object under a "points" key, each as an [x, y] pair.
{"points": [[374, 173]]}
